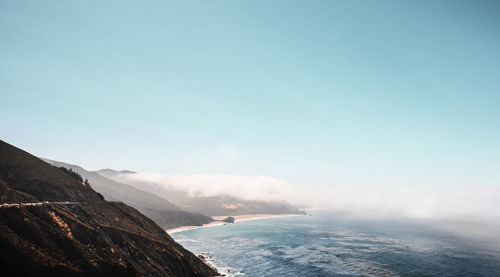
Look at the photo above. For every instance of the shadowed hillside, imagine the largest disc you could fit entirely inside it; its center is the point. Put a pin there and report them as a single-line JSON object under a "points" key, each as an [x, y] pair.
{"points": [[85, 237], [163, 212], [27, 174]]}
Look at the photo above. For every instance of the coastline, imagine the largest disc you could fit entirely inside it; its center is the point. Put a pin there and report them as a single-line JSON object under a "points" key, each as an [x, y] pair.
{"points": [[237, 218]]}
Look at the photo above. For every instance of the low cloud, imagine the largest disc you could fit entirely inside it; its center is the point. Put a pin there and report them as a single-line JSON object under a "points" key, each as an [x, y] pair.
{"points": [[468, 203], [462, 203], [262, 188]]}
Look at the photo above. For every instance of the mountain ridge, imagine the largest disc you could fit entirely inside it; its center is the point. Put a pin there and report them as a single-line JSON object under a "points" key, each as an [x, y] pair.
{"points": [[162, 211]]}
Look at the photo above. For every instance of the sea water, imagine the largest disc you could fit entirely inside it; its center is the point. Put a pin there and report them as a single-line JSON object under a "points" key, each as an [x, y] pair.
{"points": [[327, 245]]}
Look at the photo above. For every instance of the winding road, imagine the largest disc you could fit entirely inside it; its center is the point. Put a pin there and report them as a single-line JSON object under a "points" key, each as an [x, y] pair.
{"points": [[21, 204]]}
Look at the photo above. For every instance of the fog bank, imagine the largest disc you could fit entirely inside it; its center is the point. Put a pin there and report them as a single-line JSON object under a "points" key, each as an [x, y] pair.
{"points": [[457, 203]]}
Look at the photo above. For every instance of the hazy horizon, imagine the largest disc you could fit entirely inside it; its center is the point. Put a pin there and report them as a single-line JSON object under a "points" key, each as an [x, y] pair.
{"points": [[457, 205]]}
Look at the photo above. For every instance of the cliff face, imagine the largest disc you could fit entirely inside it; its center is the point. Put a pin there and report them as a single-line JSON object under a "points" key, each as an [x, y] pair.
{"points": [[90, 237]]}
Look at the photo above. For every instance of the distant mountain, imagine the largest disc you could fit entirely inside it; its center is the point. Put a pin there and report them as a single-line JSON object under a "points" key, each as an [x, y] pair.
{"points": [[112, 171], [211, 206], [86, 236], [163, 212]]}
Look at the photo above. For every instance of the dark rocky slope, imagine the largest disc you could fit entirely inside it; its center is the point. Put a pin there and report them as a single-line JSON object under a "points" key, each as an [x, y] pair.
{"points": [[93, 237], [27, 174]]}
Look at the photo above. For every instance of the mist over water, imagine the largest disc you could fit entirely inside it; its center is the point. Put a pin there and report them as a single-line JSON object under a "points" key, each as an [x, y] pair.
{"points": [[463, 214], [333, 244], [464, 203]]}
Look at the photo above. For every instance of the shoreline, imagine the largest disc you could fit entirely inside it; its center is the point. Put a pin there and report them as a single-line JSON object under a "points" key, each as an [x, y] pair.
{"points": [[237, 218]]}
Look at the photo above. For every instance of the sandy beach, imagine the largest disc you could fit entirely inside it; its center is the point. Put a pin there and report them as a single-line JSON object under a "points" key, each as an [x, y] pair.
{"points": [[237, 218]]}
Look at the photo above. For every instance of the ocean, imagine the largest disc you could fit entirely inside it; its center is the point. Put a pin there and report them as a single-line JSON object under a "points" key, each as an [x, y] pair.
{"points": [[329, 245]]}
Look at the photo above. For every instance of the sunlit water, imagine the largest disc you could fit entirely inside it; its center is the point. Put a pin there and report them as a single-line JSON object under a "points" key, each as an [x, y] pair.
{"points": [[328, 246]]}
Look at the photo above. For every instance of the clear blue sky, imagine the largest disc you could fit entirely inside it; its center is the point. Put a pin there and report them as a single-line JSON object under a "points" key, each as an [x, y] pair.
{"points": [[352, 92]]}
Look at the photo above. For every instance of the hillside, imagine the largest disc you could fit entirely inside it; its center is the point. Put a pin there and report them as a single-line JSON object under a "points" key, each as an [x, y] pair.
{"points": [[160, 210], [86, 237], [31, 177]]}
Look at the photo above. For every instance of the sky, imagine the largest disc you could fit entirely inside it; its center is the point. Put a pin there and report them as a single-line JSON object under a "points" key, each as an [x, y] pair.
{"points": [[316, 93]]}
